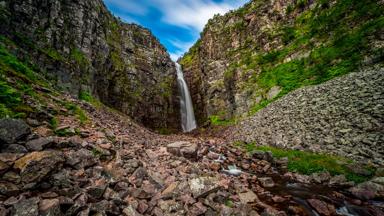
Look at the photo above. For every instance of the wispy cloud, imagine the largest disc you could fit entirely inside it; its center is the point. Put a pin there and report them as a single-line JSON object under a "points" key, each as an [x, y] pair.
{"points": [[188, 16]]}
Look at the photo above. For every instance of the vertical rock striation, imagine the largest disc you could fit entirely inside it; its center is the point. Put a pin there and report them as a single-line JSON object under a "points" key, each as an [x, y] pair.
{"points": [[84, 49], [260, 52]]}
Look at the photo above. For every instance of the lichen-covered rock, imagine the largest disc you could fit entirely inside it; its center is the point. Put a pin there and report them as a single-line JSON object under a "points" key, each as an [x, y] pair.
{"points": [[36, 165], [82, 158], [84, 49], [202, 186], [12, 130], [26, 207]]}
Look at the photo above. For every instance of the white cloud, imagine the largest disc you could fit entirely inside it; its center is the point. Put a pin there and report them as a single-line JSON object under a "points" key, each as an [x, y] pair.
{"points": [[189, 14]]}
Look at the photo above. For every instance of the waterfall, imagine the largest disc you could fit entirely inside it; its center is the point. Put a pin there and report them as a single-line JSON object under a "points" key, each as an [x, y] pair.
{"points": [[188, 122]]}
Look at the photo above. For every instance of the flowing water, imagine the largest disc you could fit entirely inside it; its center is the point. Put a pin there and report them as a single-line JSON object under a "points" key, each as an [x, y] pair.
{"points": [[188, 122]]}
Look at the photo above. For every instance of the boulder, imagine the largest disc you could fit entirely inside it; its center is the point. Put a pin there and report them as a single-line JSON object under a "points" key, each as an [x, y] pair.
{"points": [[248, 197], [369, 190], [183, 149], [82, 158], [8, 189], [15, 148], [49, 207], [12, 130], [322, 207], [202, 186], [36, 165], [39, 144], [130, 211], [26, 207]]}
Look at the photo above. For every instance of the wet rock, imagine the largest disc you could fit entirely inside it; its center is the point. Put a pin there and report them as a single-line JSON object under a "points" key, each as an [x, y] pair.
{"points": [[8, 189], [49, 207], [39, 144], [13, 130], [203, 186], [267, 182], [183, 149], [36, 165], [80, 159], [15, 148], [26, 207], [248, 197], [322, 207]]}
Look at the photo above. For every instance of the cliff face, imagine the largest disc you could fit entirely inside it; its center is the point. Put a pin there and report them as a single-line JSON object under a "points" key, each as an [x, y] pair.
{"points": [[260, 52], [85, 50]]}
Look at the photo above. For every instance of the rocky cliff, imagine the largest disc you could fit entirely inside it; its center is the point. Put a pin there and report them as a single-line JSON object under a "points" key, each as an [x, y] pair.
{"points": [[86, 51], [251, 56]]}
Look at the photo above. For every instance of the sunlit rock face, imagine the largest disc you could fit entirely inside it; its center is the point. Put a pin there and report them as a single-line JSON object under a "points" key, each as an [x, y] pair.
{"points": [[82, 48]]}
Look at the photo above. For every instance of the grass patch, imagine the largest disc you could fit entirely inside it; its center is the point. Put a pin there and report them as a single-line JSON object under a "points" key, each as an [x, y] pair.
{"points": [[54, 123], [308, 163], [218, 121], [86, 96]]}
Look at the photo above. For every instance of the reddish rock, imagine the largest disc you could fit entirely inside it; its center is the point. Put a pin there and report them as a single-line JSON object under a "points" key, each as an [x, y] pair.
{"points": [[322, 207]]}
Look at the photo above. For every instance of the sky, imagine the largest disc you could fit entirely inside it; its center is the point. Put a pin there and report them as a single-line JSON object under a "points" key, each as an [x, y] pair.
{"points": [[176, 23]]}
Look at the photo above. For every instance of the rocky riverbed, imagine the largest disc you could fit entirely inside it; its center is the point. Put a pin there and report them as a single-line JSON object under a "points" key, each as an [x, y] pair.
{"points": [[111, 166]]}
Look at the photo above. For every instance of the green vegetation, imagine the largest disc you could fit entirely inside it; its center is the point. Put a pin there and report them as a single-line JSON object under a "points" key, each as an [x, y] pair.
{"points": [[16, 80], [76, 111], [86, 96], [325, 41], [341, 48], [308, 163], [78, 56], [54, 123], [219, 121]]}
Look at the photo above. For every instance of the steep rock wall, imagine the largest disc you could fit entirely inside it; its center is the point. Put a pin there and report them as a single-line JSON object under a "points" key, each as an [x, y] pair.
{"points": [[344, 116], [84, 49], [260, 52]]}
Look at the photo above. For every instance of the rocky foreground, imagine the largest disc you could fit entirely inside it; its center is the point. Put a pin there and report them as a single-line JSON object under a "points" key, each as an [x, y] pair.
{"points": [[111, 166]]}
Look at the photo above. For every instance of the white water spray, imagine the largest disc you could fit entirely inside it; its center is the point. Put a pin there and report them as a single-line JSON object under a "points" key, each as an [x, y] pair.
{"points": [[188, 122]]}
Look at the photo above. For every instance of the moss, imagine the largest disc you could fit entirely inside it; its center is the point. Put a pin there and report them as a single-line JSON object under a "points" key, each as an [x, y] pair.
{"points": [[308, 163], [79, 57]]}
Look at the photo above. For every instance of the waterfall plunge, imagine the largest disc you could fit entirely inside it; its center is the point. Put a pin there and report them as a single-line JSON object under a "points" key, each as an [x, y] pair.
{"points": [[188, 122]]}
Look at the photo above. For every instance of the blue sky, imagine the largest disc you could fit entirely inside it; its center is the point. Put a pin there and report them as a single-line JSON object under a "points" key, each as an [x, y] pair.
{"points": [[177, 23]]}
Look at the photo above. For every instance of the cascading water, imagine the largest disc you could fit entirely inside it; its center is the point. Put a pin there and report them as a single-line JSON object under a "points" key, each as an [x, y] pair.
{"points": [[188, 122]]}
